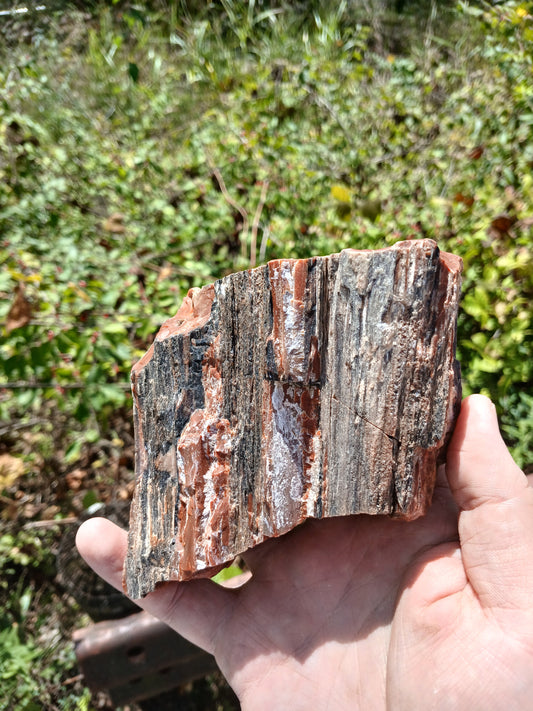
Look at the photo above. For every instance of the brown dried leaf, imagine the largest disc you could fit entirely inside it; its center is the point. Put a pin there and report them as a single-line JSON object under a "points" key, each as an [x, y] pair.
{"points": [[50, 512], [75, 479], [502, 223], [165, 272], [476, 152], [10, 509], [21, 310], [467, 200], [11, 469], [115, 224]]}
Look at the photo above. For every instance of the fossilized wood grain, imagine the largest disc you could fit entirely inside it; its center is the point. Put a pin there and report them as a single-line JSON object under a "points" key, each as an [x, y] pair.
{"points": [[303, 388]]}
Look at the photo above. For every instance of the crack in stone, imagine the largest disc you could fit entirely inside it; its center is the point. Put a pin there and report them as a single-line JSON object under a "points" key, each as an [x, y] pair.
{"points": [[296, 383], [373, 424]]}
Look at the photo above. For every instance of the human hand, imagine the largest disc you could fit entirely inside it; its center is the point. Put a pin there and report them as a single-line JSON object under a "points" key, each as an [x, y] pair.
{"points": [[373, 613]]}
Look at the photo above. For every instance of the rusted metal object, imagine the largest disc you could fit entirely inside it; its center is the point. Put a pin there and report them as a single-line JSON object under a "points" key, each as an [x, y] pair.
{"points": [[138, 657]]}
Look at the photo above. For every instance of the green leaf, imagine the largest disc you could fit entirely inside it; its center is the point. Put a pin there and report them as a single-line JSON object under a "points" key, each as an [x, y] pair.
{"points": [[90, 498], [73, 451], [114, 328], [133, 71], [25, 602], [226, 574], [489, 365], [107, 393]]}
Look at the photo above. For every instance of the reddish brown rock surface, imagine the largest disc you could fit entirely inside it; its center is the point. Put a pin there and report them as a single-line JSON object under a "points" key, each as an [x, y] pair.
{"points": [[304, 388]]}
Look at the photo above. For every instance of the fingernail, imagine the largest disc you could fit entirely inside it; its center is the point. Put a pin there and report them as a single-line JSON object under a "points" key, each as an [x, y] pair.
{"points": [[484, 411]]}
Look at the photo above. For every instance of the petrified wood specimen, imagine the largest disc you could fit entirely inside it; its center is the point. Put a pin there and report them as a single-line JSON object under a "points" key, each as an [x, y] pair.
{"points": [[304, 388]]}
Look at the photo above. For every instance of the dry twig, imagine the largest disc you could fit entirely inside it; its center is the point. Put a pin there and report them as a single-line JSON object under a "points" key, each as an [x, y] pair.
{"points": [[255, 223]]}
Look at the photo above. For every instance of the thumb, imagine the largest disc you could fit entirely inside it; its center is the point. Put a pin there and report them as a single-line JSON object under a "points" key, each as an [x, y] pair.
{"points": [[496, 509], [196, 609]]}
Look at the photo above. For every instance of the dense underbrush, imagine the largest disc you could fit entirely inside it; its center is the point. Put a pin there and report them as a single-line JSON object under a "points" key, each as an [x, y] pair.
{"points": [[143, 152]]}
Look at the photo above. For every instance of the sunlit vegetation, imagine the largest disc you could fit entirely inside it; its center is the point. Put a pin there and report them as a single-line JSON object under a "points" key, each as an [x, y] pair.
{"points": [[147, 150]]}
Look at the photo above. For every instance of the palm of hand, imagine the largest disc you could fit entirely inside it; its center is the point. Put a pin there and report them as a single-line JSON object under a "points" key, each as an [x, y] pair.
{"points": [[371, 613], [322, 605]]}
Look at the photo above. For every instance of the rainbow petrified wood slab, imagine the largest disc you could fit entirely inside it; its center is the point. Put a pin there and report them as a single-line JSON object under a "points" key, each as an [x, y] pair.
{"points": [[304, 388]]}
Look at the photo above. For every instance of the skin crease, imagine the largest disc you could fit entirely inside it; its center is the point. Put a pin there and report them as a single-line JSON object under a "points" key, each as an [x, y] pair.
{"points": [[372, 613]]}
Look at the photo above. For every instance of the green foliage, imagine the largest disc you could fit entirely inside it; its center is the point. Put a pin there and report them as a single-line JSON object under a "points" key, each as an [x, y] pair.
{"points": [[227, 573], [20, 550], [142, 164], [145, 149], [34, 660], [517, 423], [30, 677], [19, 686]]}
